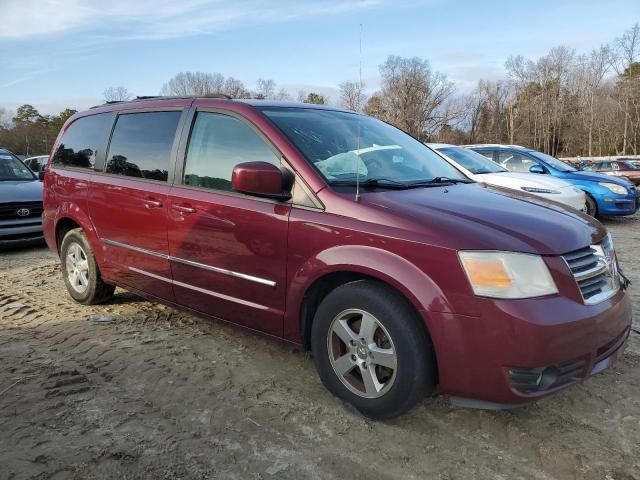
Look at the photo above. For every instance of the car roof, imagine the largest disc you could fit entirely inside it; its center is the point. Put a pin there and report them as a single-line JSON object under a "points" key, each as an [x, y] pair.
{"points": [[499, 145], [140, 101]]}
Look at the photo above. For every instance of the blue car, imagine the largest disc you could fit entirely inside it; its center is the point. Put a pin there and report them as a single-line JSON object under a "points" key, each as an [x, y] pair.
{"points": [[605, 195]]}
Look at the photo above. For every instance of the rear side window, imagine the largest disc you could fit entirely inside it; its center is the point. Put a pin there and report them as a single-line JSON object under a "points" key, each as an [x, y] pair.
{"points": [[81, 141], [141, 145], [218, 143]]}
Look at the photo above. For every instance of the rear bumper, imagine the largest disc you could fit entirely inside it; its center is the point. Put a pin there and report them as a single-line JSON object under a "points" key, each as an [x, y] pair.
{"points": [[478, 355]]}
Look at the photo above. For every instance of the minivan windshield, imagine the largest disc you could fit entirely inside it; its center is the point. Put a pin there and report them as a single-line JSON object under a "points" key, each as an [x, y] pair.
{"points": [[554, 162], [13, 169], [472, 161], [343, 146]]}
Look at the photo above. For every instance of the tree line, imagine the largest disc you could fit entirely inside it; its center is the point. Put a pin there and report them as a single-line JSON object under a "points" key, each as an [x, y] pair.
{"points": [[562, 103]]}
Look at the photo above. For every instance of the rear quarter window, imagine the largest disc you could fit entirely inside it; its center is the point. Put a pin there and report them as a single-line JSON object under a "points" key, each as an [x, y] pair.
{"points": [[81, 142]]}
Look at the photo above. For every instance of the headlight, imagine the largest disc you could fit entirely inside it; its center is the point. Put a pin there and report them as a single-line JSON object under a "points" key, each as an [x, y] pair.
{"points": [[540, 190], [507, 274], [619, 189]]}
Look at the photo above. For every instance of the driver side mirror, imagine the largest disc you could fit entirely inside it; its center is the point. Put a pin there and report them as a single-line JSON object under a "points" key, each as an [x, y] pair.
{"points": [[536, 169], [262, 179]]}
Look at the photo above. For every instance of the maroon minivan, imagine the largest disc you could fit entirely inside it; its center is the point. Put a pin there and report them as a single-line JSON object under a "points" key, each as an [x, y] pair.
{"points": [[341, 234]]}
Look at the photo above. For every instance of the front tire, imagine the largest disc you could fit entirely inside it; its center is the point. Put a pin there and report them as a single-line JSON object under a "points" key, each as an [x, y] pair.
{"points": [[371, 349], [80, 270]]}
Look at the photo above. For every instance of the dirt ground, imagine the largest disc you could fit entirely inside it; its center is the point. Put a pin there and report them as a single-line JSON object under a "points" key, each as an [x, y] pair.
{"points": [[156, 393]]}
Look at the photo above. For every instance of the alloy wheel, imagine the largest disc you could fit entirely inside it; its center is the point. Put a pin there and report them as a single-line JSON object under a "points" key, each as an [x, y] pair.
{"points": [[77, 268], [362, 353]]}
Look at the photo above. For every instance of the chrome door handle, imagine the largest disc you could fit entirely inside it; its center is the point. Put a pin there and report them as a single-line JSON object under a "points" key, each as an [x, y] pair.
{"points": [[152, 204], [184, 209]]}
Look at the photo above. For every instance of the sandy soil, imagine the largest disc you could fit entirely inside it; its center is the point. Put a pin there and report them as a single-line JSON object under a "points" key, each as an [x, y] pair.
{"points": [[156, 393]]}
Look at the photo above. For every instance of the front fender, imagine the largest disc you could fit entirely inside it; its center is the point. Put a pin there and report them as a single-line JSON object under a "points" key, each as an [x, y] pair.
{"points": [[423, 293]]}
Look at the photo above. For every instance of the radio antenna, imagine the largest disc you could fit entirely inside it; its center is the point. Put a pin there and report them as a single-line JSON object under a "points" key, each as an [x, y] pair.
{"points": [[358, 126]]}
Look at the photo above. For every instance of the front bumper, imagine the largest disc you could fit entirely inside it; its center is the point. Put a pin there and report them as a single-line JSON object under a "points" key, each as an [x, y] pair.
{"points": [[17, 232], [476, 355], [619, 204]]}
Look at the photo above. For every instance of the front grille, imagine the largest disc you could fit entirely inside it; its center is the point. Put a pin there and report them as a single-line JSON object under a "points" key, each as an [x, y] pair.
{"points": [[9, 211], [595, 269]]}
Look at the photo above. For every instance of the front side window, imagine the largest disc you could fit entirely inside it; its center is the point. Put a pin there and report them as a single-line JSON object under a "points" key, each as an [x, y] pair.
{"points": [[554, 162], [141, 145], [81, 141], [217, 144], [13, 169], [515, 162], [344, 146], [472, 161]]}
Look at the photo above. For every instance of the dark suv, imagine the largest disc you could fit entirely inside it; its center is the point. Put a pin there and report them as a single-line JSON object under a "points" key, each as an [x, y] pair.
{"points": [[341, 234], [20, 202]]}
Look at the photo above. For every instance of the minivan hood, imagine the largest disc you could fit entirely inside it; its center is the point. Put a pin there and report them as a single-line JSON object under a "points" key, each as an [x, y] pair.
{"points": [[483, 217], [515, 179], [20, 191]]}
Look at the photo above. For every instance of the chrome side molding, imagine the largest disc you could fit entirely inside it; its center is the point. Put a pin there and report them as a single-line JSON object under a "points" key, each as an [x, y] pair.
{"points": [[223, 271]]}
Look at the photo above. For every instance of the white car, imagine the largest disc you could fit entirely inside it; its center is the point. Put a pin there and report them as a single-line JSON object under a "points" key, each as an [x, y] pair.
{"points": [[479, 168]]}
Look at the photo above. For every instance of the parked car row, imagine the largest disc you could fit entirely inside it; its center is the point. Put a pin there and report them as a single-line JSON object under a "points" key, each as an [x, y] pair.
{"points": [[626, 168], [342, 234], [605, 195]]}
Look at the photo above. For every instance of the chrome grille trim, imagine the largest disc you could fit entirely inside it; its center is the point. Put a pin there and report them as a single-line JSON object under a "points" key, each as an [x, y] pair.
{"points": [[595, 269]]}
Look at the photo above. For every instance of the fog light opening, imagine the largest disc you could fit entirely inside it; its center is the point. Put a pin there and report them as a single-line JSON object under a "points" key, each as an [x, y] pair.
{"points": [[548, 378]]}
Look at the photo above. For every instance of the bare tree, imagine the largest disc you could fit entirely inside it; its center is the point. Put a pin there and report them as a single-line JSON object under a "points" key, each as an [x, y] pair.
{"points": [[352, 96], [235, 88], [194, 84], [266, 89], [626, 53], [117, 94], [283, 95], [413, 95], [589, 75]]}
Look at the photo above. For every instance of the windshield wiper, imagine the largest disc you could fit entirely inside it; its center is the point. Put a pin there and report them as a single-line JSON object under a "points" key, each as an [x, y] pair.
{"points": [[374, 183], [437, 181]]}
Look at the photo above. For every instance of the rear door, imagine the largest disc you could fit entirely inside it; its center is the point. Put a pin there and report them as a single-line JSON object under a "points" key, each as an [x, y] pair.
{"points": [[128, 200], [228, 250]]}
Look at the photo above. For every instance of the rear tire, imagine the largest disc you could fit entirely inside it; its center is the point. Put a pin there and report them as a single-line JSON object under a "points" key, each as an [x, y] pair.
{"points": [[80, 270], [392, 369], [592, 206]]}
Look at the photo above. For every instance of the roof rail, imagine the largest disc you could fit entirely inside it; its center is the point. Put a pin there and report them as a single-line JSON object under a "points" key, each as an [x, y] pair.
{"points": [[143, 98]]}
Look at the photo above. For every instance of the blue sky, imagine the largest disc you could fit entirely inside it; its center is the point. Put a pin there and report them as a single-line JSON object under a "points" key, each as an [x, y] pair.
{"points": [[59, 53]]}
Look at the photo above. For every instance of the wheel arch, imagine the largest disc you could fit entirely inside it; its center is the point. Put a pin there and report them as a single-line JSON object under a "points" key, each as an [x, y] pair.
{"points": [[70, 217], [344, 264]]}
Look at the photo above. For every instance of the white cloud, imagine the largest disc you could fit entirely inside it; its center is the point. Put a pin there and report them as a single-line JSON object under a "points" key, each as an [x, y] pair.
{"points": [[157, 19]]}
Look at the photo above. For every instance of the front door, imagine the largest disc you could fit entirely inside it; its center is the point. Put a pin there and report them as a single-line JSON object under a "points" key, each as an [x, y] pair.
{"points": [[228, 251], [128, 201]]}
